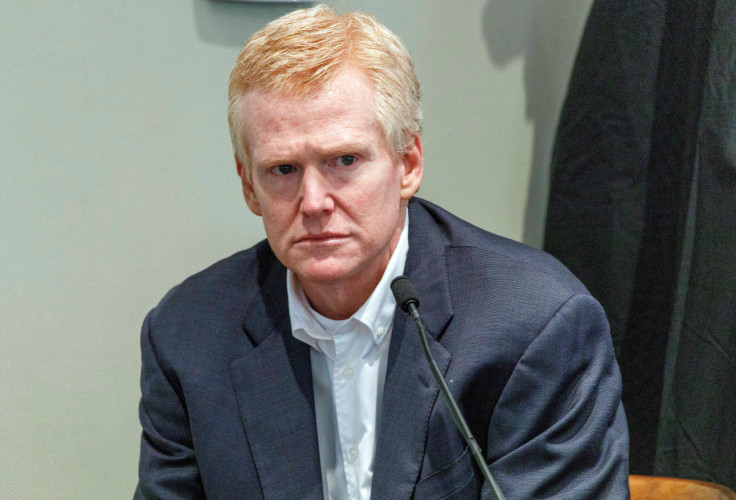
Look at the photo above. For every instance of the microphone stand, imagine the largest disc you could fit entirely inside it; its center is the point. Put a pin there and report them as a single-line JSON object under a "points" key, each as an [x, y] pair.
{"points": [[408, 301]]}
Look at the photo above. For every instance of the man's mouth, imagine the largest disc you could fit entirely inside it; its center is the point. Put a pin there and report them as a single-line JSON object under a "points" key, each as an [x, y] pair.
{"points": [[320, 238]]}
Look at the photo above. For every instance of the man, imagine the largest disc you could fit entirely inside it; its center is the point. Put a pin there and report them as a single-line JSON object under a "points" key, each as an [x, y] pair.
{"points": [[285, 371]]}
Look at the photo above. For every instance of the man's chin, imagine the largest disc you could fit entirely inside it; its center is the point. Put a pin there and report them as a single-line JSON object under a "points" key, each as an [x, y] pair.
{"points": [[321, 278], [323, 274]]}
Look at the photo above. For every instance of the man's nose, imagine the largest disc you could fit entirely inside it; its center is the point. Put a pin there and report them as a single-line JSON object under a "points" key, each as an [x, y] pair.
{"points": [[315, 193]]}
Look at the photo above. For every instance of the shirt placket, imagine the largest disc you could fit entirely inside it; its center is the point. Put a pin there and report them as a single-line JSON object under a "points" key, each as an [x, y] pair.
{"points": [[346, 408]]}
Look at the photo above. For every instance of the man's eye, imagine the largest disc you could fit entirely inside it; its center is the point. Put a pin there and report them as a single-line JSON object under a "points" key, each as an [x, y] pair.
{"points": [[346, 160], [282, 169]]}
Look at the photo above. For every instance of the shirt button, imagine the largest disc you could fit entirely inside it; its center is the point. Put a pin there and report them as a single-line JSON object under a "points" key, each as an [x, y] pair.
{"points": [[353, 453], [348, 372], [381, 332]]}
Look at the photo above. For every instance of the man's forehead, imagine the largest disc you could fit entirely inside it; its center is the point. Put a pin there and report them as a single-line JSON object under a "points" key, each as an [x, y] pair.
{"points": [[350, 101], [348, 79], [268, 103]]}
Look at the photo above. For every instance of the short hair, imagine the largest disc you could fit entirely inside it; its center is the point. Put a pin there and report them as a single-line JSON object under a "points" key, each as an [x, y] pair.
{"points": [[301, 52]]}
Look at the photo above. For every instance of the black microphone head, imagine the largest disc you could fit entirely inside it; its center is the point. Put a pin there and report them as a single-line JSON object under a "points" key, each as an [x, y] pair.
{"points": [[404, 293]]}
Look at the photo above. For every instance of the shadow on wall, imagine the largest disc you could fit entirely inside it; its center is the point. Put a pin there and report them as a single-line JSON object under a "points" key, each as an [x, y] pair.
{"points": [[227, 23], [546, 35]]}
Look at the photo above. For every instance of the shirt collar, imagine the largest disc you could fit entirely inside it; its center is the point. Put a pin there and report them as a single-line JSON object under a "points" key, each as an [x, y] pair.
{"points": [[376, 313]]}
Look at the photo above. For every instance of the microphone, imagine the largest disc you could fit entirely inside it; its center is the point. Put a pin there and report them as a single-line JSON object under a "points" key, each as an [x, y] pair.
{"points": [[407, 300]]}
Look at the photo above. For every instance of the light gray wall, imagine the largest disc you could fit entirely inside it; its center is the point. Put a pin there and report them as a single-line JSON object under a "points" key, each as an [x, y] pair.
{"points": [[117, 182]]}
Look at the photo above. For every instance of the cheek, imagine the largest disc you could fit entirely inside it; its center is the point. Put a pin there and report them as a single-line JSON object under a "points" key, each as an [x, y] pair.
{"points": [[276, 223], [379, 190], [383, 193], [379, 213]]}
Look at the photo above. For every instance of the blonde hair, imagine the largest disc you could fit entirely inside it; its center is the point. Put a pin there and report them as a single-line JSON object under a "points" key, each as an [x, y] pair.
{"points": [[302, 51]]}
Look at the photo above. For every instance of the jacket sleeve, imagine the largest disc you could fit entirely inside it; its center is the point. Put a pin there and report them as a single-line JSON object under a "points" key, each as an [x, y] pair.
{"points": [[559, 429], [168, 466]]}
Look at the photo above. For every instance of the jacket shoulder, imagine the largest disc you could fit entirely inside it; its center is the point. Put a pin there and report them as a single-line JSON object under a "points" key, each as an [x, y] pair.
{"points": [[493, 254], [222, 287]]}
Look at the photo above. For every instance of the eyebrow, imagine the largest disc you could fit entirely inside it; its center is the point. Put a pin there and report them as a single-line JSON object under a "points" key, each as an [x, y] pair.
{"points": [[344, 149], [356, 147]]}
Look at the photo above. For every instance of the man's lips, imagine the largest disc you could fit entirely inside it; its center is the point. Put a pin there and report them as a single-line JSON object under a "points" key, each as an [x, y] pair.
{"points": [[320, 238]]}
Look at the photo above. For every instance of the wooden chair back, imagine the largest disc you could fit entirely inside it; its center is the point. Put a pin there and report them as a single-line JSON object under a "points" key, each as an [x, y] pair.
{"points": [[670, 488]]}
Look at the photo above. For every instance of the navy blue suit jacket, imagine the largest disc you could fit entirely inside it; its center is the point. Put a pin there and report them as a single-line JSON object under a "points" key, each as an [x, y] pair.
{"points": [[227, 404]]}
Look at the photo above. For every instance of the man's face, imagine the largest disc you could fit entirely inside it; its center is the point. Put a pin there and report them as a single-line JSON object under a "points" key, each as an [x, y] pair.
{"points": [[325, 182]]}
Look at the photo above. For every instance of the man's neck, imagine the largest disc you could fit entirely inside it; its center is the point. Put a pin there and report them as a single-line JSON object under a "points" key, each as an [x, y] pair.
{"points": [[341, 300]]}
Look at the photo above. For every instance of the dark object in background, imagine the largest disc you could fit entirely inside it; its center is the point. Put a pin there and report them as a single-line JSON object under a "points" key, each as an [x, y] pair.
{"points": [[643, 210]]}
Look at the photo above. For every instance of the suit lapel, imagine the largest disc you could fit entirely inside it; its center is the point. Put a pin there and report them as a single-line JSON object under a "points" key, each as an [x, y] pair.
{"points": [[273, 388], [410, 391]]}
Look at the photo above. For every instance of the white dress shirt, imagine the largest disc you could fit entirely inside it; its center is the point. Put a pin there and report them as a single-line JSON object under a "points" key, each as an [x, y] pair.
{"points": [[348, 372]]}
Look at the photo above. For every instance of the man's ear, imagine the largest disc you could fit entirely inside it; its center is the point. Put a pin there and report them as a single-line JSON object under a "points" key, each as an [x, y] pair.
{"points": [[413, 162], [246, 181]]}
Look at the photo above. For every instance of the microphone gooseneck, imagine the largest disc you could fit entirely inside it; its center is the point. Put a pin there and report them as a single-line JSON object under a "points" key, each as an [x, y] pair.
{"points": [[407, 300]]}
